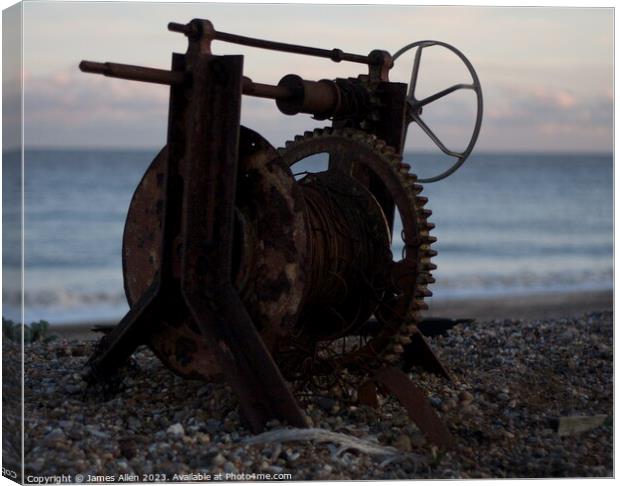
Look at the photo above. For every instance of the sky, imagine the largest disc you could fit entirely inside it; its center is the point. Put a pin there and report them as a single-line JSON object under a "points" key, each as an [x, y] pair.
{"points": [[546, 73]]}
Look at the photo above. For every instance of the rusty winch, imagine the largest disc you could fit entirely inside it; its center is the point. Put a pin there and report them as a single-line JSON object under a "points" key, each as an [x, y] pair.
{"points": [[237, 268]]}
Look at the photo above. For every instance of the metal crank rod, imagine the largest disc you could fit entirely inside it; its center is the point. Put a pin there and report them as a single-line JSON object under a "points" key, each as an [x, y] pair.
{"points": [[196, 28], [171, 78]]}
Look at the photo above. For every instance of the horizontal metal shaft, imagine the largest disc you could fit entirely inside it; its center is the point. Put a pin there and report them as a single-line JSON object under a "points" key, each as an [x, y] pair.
{"points": [[135, 73], [162, 76]]}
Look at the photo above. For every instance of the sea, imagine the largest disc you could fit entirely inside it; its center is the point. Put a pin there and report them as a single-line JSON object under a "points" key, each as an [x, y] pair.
{"points": [[507, 224]]}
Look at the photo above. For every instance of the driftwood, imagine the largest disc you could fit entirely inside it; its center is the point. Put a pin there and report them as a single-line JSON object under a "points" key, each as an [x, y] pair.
{"points": [[572, 425], [346, 442]]}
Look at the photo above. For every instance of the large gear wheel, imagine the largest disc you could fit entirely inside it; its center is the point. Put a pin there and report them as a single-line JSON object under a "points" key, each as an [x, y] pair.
{"points": [[367, 160]]}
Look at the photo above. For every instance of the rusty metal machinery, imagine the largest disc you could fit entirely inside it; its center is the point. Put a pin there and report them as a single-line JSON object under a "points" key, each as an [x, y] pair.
{"points": [[237, 269]]}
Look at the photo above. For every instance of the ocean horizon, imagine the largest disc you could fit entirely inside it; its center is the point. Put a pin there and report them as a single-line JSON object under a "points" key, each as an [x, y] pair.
{"points": [[507, 223]]}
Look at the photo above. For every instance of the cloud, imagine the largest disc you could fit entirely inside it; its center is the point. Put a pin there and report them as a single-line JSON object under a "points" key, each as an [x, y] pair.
{"points": [[69, 108], [539, 105]]}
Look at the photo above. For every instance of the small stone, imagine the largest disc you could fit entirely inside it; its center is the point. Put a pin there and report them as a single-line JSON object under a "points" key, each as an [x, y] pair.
{"points": [[465, 397], [271, 424], [127, 447], [213, 425], [176, 430], [133, 423], [326, 404], [291, 456], [203, 438], [449, 404], [417, 439], [73, 389], [96, 432], [436, 401], [218, 459], [403, 443], [54, 435]]}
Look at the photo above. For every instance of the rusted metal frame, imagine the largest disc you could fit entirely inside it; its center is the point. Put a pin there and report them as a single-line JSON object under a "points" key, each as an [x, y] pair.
{"points": [[417, 405], [393, 132], [209, 170], [121, 342], [392, 107], [419, 353]]}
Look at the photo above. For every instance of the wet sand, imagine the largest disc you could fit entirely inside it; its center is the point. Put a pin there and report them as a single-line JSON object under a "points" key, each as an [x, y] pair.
{"points": [[546, 306]]}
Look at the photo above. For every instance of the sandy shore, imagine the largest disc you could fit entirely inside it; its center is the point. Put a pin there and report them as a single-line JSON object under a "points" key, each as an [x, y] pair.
{"points": [[546, 306]]}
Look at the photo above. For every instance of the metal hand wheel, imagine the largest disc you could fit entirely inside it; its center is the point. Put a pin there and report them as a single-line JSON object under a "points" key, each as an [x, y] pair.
{"points": [[415, 105]]}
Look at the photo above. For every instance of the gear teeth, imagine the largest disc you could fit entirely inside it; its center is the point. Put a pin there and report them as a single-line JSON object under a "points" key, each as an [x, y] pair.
{"points": [[425, 279], [429, 266], [421, 305], [396, 334], [424, 293]]}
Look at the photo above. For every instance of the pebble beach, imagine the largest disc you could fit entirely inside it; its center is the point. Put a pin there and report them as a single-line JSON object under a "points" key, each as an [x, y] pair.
{"points": [[513, 381]]}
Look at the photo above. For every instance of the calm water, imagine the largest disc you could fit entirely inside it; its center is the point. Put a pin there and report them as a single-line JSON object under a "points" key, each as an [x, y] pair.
{"points": [[505, 223]]}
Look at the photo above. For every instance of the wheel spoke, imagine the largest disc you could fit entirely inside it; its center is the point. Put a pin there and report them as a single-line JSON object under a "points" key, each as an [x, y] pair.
{"points": [[414, 73], [443, 93], [433, 137]]}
